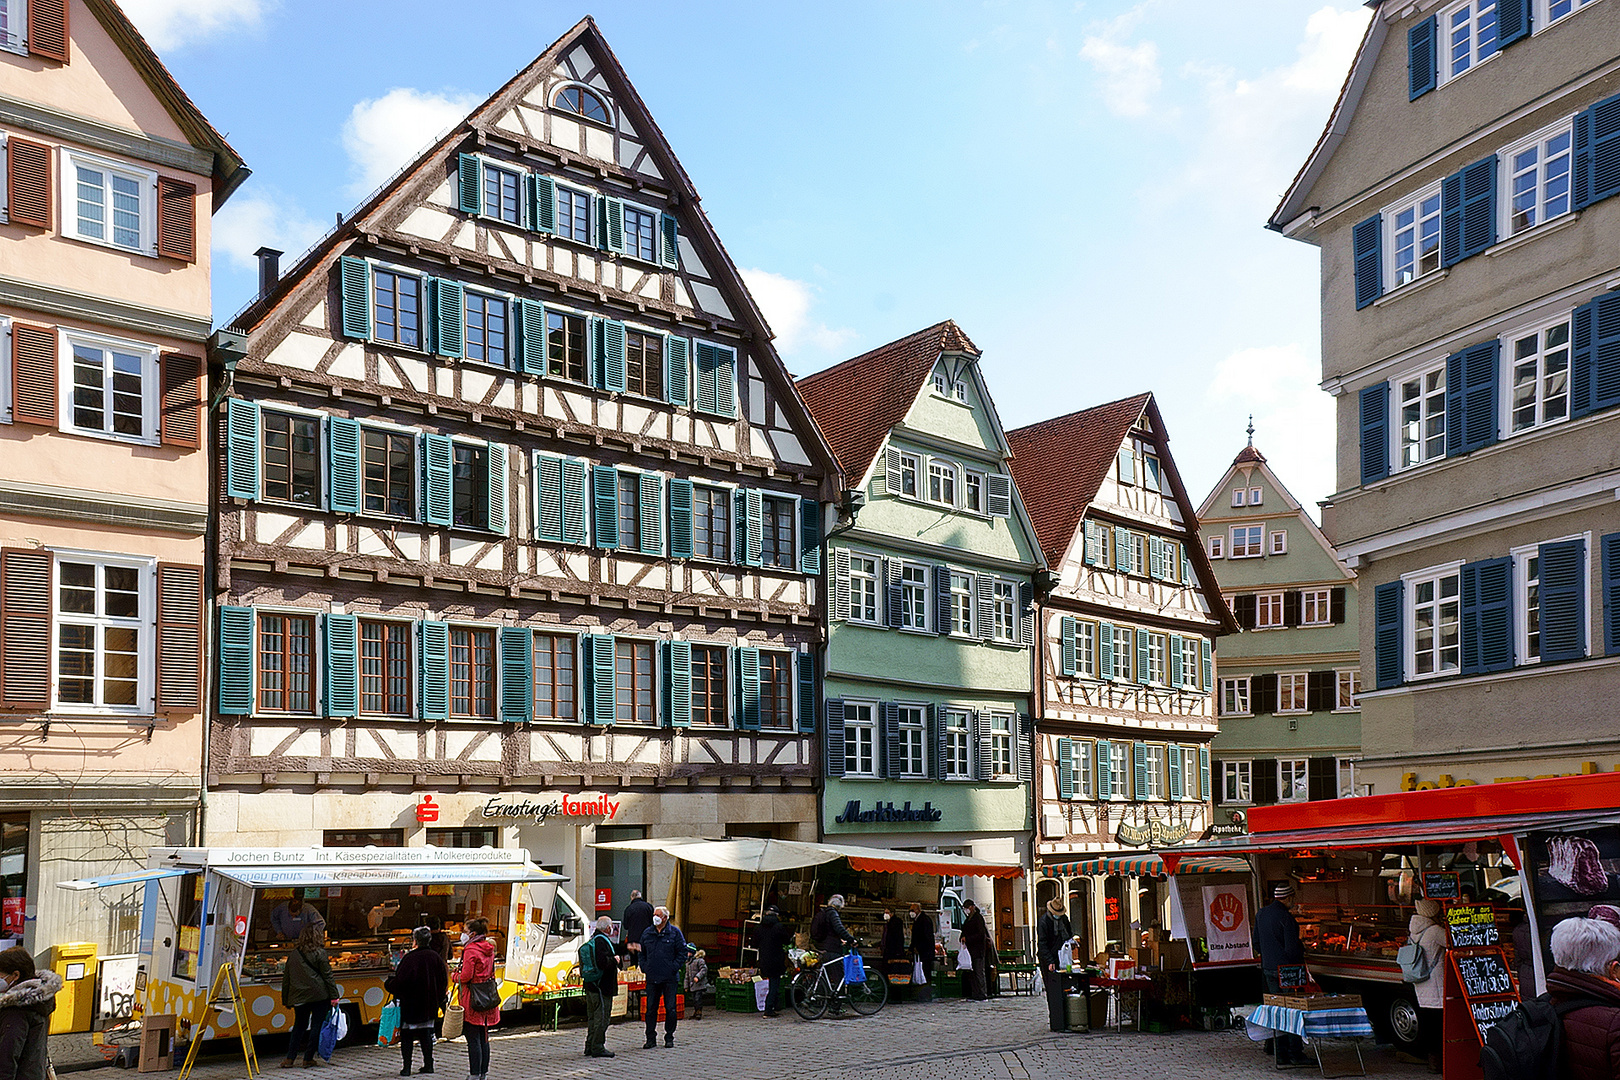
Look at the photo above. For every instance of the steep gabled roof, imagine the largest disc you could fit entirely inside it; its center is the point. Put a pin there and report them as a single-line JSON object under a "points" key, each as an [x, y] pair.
{"points": [[1249, 459], [857, 402]]}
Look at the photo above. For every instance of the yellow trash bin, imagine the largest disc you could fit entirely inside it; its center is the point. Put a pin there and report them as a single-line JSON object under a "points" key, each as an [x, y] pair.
{"points": [[76, 963]]}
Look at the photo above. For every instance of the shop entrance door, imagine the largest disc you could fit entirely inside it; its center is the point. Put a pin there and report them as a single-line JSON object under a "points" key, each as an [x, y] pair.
{"points": [[617, 872], [13, 878], [1006, 932]]}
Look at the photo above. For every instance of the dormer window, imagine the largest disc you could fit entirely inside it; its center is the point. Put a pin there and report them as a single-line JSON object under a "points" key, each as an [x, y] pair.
{"points": [[581, 102]]}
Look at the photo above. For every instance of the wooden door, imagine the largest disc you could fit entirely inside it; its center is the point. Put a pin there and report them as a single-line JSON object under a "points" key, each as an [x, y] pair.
{"points": [[1006, 939]]}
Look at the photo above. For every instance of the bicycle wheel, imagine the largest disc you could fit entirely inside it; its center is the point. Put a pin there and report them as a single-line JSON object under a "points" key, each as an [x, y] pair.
{"points": [[810, 995], [868, 997]]}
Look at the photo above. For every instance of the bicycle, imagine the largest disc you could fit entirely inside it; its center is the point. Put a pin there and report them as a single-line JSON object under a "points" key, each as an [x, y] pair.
{"points": [[819, 986]]}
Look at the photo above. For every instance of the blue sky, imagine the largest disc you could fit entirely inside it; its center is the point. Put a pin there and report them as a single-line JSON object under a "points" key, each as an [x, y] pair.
{"points": [[1082, 186]]}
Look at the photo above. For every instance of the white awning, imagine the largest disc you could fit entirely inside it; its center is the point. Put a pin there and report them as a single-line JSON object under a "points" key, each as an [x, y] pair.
{"points": [[765, 855], [269, 877], [133, 877]]}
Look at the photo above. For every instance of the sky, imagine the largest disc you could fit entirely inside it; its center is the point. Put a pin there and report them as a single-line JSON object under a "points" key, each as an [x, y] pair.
{"points": [[1082, 186]]}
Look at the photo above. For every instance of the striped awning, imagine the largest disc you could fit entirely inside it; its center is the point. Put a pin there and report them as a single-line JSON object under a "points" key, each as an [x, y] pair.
{"points": [[1145, 866]]}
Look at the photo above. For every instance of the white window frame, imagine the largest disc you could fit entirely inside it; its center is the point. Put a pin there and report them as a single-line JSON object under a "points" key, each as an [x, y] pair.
{"points": [[1425, 398], [1119, 772], [68, 210], [1347, 690], [1004, 612], [66, 339], [1139, 554], [590, 210], [973, 479], [1292, 775], [317, 681], [912, 721], [921, 607], [1293, 686], [1003, 754], [1085, 648], [1217, 547], [1511, 363], [423, 316], [1191, 774], [1253, 544], [16, 42], [1124, 658], [1083, 768], [948, 473], [1237, 781], [1151, 467], [657, 235], [487, 163], [913, 463], [1278, 544], [1322, 601], [1268, 611], [511, 329], [1392, 229], [1522, 556], [1256, 496], [1192, 662], [1444, 31], [1236, 690], [869, 725], [1434, 575], [1154, 757], [5, 337], [145, 625], [963, 589], [1157, 659], [875, 578], [958, 728], [1507, 172], [1543, 17], [1238, 496], [417, 480]]}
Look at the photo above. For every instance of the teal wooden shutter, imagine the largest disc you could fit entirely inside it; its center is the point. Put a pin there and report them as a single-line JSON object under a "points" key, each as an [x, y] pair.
{"points": [[1209, 666], [517, 674], [610, 366], [605, 505], [748, 688], [496, 479], [600, 658], [470, 193], [835, 737], [1563, 600], [1105, 771], [611, 235], [1122, 550], [235, 661], [434, 638], [1487, 616], [680, 519], [542, 203], [1173, 757], [573, 501], [242, 437], [725, 382], [708, 361], [436, 461], [651, 540], [1067, 627], [1468, 211], [530, 336], [1597, 152], [1512, 22], [449, 307], [1367, 240], [677, 684], [1093, 547], [1594, 367], [1065, 768], [1375, 432], [343, 464], [340, 664], [1139, 771], [805, 663], [809, 536], [677, 370], [1203, 773], [1105, 650], [1422, 69], [354, 281], [548, 518], [1610, 575], [1173, 647], [1471, 394], [1142, 675], [753, 539], [1158, 563], [669, 249], [1387, 617]]}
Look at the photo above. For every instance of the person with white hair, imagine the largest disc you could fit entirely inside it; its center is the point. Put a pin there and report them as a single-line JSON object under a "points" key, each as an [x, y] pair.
{"points": [[663, 954], [1587, 952], [827, 930], [598, 954]]}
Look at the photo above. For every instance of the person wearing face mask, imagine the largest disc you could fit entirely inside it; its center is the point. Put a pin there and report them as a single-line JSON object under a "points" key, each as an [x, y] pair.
{"points": [[27, 999], [1587, 952], [922, 940], [772, 941], [477, 965], [663, 952], [893, 942]]}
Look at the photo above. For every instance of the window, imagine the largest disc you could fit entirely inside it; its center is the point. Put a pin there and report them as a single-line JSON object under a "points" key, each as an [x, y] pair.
{"points": [[1003, 626], [486, 329], [1191, 773], [640, 234], [709, 685], [1238, 496], [385, 668], [776, 532], [957, 764], [912, 763], [503, 195], [1423, 417], [633, 687], [396, 308], [1139, 554], [112, 204], [581, 102], [565, 345], [942, 483], [111, 389], [1536, 174], [1293, 780], [1435, 633], [863, 588], [1085, 784], [1001, 748], [1540, 377], [644, 364], [1119, 783], [711, 523], [1217, 547], [1246, 541], [1527, 583], [1316, 607], [464, 838], [914, 597], [1152, 479], [942, 384], [1236, 781], [962, 604], [1467, 36], [1153, 756], [1255, 495], [1268, 610], [472, 673], [1549, 11], [1291, 692], [775, 690], [973, 492], [1085, 648], [1279, 542], [1190, 658], [1235, 697], [286, 663], [469, 485], [102, 627], [629, 488], [554, 677], [573, 210], [1155, 658], [291, 457], [1122, 654], [1413, 239], [1349, 695], [13, 19], [388, 461], [860, 739], [908, 474]]}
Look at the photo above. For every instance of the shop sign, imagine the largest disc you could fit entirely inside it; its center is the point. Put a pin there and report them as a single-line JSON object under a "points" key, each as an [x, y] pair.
{"points": [[427, 810], [886, 812], [562, 806], [1155, 832], [1226, 922], [11, 916], [604, 899], [1237, 825], [1410, 781]]}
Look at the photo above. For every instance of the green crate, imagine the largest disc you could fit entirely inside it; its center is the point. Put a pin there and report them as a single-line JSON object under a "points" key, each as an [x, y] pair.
{"points": [[735, 997]]}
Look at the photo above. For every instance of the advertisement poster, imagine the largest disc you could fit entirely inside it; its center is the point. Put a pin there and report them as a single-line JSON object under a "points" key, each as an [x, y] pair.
{"points": [[1226, 923], [1570, 874], [11, 917]]}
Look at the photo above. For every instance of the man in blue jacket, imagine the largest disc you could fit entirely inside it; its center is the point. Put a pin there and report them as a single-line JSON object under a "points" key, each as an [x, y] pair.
{"points": [[663, 951], [1278, 934]]}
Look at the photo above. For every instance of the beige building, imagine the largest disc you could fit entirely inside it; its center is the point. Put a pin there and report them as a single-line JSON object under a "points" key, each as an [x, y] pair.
{"points": [[1461, 198], [110, 177]]}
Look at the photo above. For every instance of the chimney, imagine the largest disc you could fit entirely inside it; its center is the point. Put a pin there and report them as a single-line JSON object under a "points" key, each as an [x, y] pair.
{"points": [[269, 269]]}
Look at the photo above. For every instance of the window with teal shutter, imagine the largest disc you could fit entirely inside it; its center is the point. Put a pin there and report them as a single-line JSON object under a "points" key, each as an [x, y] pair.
{"points": [[1609, 572], [517, 674], [748, 688], [470, 186], [496, 478], [680, 519], [1105, 650], [809, 536], [669, 250], [1122, 550], [242, 438], [605, 505], [1375, 432], [1208, 683], [1597, 152], [1177, 675], [611, 232], [1367, 242], [1487, 616], [835, 738], [610, 368], [531, 336], [1471, 397], [340, 665], [1127, 465], [343, 463], [434, 642], [235, 661], [542, 203], [1422, 58], [651, 540], [573, 501], [677, 684], [1066, 633], [1468, 211], [1105, 772], [600, 670], [1203, 772], [1563, 600], [676, 372], [548, 513], [1139, 768], [1065, 768], [1094, 542], [751, 536], [1594, 364], [449, 307], [436, 480], [1142, 674], [1387, 617], [716, 388], [354, 281], [1173, 758], [806, 665]]}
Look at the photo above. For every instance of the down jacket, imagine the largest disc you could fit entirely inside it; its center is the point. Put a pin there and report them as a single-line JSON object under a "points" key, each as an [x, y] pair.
{"points": [[1429, 936], [1591, 1035], [477, 965], [25, 1016]]}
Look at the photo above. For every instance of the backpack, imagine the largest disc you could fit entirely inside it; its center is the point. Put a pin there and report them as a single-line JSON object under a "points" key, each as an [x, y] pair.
{"points": [[589, 970], [818, 926], [1415, 967], [1528, 1043]]}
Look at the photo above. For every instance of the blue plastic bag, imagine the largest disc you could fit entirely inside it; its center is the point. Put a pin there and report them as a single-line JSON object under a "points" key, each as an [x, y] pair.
{"points": [[388, 1023], [854, 969], [329, 1034]]}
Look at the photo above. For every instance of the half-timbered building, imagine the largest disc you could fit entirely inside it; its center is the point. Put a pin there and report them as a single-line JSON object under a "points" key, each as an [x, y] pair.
{"points": [[1124, 665], [520, 512]]}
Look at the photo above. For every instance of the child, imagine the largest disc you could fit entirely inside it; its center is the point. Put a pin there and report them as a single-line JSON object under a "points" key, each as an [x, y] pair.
{"points": [[697, 982]]}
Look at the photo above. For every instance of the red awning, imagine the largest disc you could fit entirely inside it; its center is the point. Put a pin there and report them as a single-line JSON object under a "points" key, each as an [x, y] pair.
{"points": [[908, 862], [1554, 797]]}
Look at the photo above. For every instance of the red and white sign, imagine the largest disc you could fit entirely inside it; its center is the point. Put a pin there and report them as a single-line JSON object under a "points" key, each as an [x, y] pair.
{"points": [[427, 809], [239, 924], [1226, 922], [604, 899]]}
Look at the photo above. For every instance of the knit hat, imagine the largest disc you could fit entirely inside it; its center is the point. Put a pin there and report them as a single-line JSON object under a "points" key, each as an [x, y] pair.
{"points": [[1285, 891], [1429, 909]]}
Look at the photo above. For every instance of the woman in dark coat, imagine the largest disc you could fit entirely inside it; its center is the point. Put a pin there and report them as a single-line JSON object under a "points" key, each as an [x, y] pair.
{"points": [[923, 942], [308, 989], [1587, 952], [1052, 931], [419, 983], [27, 999], [894, 939], [771, 940], [976, 938]]}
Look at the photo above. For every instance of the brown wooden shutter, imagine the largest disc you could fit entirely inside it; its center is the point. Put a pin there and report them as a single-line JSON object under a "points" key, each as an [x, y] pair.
{"points": [[33, 374], [25, 628], [1336, 605], [1291, 607], [48, 29], [179, 638], [177, 219], [181, 421], [28, 183]]}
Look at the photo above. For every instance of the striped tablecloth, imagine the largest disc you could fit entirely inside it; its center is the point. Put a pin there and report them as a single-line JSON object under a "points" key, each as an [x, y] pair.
{"points": [[1309, 1023]]}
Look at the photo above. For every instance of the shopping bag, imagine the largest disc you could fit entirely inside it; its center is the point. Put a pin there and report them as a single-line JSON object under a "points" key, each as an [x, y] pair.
{"points": [[388, 1024], [329, 1034], [1065, 956], [964, 959], [762, 994], [919, 975], [342, 1023], [854, 968], [453, 1016]]}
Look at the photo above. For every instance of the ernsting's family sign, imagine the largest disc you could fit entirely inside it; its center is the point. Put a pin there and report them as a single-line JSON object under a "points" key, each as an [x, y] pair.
{"points": [[562, 806]]}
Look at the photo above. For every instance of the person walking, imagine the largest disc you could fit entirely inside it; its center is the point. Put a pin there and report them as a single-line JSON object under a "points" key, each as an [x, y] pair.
{"points": [[419, 984], [697, 980], [976, 938], [771, 940], [1423, 929], [1278, 935], [923, 945], [827, 931], [308, 989], [600, 991], [1050, 934], [1587, 952], [663, 950], [27, 999], [477, 965], [638, 915]]}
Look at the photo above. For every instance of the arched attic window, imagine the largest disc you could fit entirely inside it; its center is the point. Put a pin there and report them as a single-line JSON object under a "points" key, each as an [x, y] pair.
{"points": [[582, 102]]}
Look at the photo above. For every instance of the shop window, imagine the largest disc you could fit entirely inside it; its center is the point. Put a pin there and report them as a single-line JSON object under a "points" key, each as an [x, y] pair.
{"points": [[363, 838], [464, 838], [1116, 913], [188, 927], [618, 873], [13, 878]]}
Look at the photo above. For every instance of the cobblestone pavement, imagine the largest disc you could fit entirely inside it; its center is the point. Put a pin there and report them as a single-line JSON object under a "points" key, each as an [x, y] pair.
{"points": [[1005, 1039]]}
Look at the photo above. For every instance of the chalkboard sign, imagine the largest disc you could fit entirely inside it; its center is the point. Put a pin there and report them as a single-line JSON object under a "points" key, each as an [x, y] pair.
{"points": [[1292, 976], [1478, 992], [1488, 1013], [1440, 885], [1485, 974], [1472, 924]]}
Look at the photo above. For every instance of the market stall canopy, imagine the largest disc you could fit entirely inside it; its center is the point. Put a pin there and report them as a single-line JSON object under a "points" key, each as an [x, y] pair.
{"points": [[1146, 866], [133, 877], [759, 855], [270, 867], [267, 877]]}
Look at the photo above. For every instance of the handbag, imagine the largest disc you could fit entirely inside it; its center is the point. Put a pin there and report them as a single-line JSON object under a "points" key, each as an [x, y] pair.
{"points": [[964, 959], [453, 1016], [329, 1034], [388, 1023], [1415, 967], [854, 968], [483, 995], [919, 975]]}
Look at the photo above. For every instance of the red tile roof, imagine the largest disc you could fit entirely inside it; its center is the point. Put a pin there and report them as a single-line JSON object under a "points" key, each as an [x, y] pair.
{"points": [[1248, 454], [856, 403]]}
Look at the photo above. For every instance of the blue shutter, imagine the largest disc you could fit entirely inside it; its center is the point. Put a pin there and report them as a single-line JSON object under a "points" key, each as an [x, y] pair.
{"points": [[1468, 211], [982, 747], [605, 505], [1024, 746], [1066, 633], [340, 664], [449, 303], [354, 280], [548, 521], [835, 737], [436, 461], [1594, 370], [343, 464], [601, 677], [1471, 380], [680, 519], [530, 336], [1563, 600], [1609, 573], [1173, 647], [610, 355], [1487, 616], [517, 674], [1375, 432], [235, 661], [1368, 241], [1123, 559], [434, 668], [677, 371], [806, 667], [748, 688], [1387, 617], [242, 428], [542, 203], [1421, 59], [495, 490], [1512, 21], [669, 250], [470, 193], [753, 553], [1203, 773], [1105, 774], [1142, 675], [707, 399], [1209, 666], [1093, 546], [809, 536], [942, 599], [1139, 770], [573, 501], [1105, 650], [1597, 152], [651, 540], [725, 382], [1127, 465], [677, 684], [611, 231], [1065, 768], [1173, 757]]}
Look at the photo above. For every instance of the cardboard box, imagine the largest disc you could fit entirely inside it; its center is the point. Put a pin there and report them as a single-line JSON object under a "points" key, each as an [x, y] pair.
{"points": [[157, 1043], [1175, 956]]}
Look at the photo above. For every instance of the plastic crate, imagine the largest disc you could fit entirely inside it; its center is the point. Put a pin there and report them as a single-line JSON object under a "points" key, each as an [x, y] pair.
{"points": [[735, 997]]}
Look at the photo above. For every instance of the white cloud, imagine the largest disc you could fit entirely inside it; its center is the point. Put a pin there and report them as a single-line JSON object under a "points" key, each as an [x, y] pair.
{"points": [[383, 134], [786, 304], [171, 24], [1130, 74], [249, 222], [1278, 384]]}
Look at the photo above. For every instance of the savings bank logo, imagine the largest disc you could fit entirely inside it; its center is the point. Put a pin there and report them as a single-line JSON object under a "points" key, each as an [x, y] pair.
{"points": [[1225, 912]]}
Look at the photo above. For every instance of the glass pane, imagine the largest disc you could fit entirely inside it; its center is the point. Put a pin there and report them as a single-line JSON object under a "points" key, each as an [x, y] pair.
{"points": [[76, 665], [92, 210], [121, 654], [89, 394], [126, 394], [126, 211], [76, 592], [122, 592]]}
